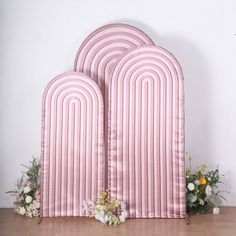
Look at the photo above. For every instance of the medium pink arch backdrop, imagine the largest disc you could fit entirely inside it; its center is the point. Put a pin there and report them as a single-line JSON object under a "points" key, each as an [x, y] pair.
{"points": [[72, 158], [146, 139], [100, 50]]}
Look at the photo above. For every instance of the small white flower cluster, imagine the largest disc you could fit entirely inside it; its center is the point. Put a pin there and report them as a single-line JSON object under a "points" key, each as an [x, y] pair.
{"points": [[111, 212], [27, 192], [102, 214], [192, 186], [31, 210], [208, 190], [28, 200]]}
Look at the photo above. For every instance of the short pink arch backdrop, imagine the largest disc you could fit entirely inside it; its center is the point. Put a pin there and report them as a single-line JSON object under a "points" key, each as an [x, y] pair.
{"points": [[72, 144], [146, 140], [100, 50]]}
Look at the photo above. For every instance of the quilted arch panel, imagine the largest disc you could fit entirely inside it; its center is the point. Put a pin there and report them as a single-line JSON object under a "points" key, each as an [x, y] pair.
{"points": [[100, 50], [146, 140], [72, 158]]}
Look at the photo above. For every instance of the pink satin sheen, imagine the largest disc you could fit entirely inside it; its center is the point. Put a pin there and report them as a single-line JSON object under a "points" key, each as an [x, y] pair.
{"points": [[72, 158], [146, 134], [100, 50], [117, 124]]}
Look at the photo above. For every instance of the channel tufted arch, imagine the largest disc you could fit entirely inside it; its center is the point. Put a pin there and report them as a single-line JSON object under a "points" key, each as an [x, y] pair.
{"points": [[100, 50], [146, 139], [72, 158]]}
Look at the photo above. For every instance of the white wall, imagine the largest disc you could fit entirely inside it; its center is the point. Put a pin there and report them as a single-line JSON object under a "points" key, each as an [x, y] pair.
{"points": [[39, 39]]}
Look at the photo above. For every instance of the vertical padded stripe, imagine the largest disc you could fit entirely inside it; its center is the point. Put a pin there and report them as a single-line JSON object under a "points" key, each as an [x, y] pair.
{"points": [[146, 134], [100, 50], [72, 158]]}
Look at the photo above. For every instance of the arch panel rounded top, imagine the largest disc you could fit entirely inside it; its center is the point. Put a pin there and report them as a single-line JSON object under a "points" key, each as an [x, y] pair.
{"points": [[146, 133], [113, 37], [72, 146], [146, 58], [72, 81]]}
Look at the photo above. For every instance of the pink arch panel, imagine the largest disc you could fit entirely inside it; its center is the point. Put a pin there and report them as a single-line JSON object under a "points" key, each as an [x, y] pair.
{"points": [[146, 139], [72, 159], [100, 50]]}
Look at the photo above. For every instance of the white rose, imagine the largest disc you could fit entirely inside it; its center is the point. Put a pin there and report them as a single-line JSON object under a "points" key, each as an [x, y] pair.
{"points": [[216, 211], [27, 189], [28, 199], [191, 186], [22, 211], [36, 204]]}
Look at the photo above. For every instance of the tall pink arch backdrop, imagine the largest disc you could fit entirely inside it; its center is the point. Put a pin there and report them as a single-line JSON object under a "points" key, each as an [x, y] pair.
{"points": [[72, 158], [146, 140], [100, 50]]}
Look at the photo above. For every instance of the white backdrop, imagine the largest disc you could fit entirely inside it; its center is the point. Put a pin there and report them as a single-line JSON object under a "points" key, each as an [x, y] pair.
{"points": [[39, 39]]}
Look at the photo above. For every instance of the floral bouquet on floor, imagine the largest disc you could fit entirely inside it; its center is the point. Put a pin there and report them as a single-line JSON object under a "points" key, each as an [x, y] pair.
{"points": [[27, 191], [202, 189], [108, 210]]}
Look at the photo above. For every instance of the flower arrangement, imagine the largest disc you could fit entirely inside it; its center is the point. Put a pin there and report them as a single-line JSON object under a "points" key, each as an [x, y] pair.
{"points": [[202, 189], [27, 191], [107, 210]]}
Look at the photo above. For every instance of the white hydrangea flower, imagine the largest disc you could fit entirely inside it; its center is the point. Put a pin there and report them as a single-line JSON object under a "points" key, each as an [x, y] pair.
{"points": [[201, 202], [22, 211], [27, 189], [191, 186], [208, 190], [28, 199]]}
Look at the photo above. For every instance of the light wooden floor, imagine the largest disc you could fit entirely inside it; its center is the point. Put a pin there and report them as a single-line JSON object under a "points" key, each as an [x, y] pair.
{"points": [[200, 225]]}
